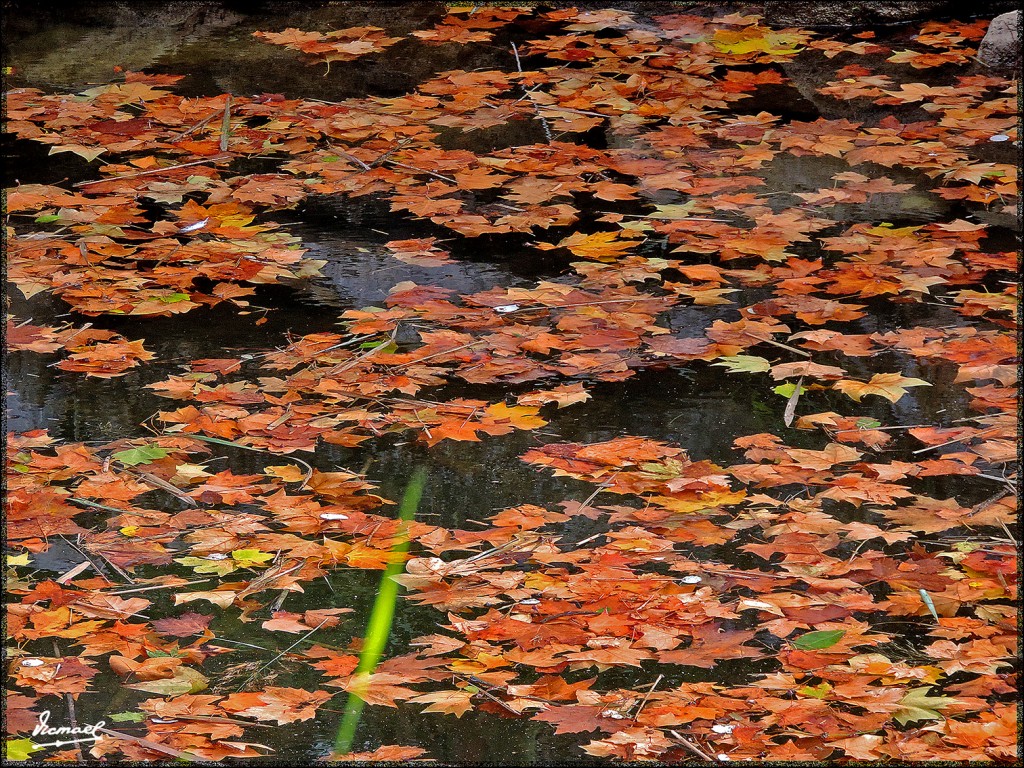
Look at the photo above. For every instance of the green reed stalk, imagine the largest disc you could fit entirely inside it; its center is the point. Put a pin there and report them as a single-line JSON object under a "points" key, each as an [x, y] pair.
{"points": [[378, 629]]}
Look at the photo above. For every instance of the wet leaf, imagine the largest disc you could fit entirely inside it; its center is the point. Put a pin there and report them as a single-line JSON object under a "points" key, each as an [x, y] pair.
{"points": [[145, 454], [813, 641], [917, 704], [19, 749], [744, 364], [891, 386]]}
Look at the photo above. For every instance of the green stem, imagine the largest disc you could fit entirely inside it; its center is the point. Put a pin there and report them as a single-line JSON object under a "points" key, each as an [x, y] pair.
{"points": [[378, 629]]}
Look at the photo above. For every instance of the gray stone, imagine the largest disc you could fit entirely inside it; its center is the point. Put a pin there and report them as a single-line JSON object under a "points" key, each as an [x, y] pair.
{"points": [[867, 13], [1000, 49]]}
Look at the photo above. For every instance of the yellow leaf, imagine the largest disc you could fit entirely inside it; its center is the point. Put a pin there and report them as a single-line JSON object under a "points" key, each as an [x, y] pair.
{"points": [[706, 501], [600, 246], [290, 473], [891, 386], [519, 416], [89, 153], [756, 40], [455, 703], [220, 598], [190, 472]]}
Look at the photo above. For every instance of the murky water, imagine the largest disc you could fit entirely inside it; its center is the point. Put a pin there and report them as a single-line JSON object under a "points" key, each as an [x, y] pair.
{"points": [[702, 409]]}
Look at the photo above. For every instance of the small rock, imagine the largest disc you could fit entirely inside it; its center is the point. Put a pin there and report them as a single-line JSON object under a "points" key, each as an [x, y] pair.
{"points": [[1000, 49], [828, 14]]}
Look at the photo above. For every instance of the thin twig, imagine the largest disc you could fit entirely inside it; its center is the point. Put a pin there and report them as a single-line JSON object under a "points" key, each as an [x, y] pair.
{"points": [[582, 304], [691, 746], [239, 642], [124, 575], [438, 354], [647, 696], [982, 433], [163, 485], [70, 701], [85, 554], [216, 719], [282, 653], [481, 691], [150, 745], [96, 505], [878, 429], [780, 345], [563, 614], [355, 361], [225, 126], [211, 159], [154, 587], [543, 121], [998, 479], [353, 158], [383, 158], [984, 505], [193, 129], [448, 179], [85, 327], [276, 605], [1009, 534]]}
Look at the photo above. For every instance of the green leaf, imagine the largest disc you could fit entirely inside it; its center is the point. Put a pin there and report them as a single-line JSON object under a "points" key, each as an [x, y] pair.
{"points": [[46, 218], [19, 749], [246, 558], [819, 691], [918, 705], [127, 717], [867, 423], [146, 454], [744, 363], [202, 565], [174, 298], [966, 546], [387, 348], [673, 211], [813, 641], [669, 469], [786, 390], [185, 680]]}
